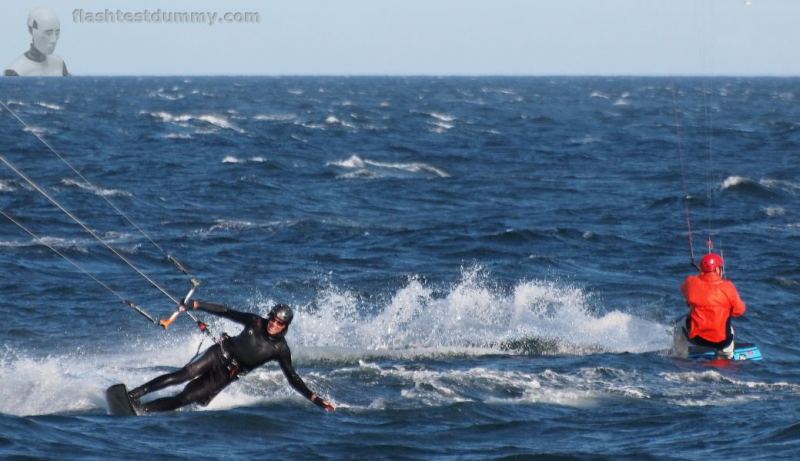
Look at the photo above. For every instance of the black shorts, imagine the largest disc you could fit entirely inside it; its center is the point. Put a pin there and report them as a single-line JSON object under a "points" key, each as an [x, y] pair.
{"points": [[700, 341]]}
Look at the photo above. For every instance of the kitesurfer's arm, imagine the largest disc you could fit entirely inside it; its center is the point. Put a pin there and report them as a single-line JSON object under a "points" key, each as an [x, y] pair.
{"points": [[223, 311], [685, 289], [685, 286], [285, 361], [737, 305]]}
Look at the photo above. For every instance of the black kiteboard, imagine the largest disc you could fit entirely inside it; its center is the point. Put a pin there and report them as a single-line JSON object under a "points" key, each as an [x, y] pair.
{"points": [[119, 404]]}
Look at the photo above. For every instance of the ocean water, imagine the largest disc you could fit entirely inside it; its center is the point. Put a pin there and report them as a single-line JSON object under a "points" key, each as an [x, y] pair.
{"points": [[482, 268]]}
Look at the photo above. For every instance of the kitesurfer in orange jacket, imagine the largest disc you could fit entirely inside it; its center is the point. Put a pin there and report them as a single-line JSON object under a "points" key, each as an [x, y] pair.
{"points": [[712, 301]]}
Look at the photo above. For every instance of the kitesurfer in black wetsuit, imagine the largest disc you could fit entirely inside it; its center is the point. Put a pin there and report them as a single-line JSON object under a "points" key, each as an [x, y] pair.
{"points": [[261, 341]]}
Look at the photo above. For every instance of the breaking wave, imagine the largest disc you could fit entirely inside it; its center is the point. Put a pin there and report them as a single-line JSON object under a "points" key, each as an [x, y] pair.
{"points": [[95, 189], [50, 106], [762, 187], [215, 120], [234, 159], [365, 168]]}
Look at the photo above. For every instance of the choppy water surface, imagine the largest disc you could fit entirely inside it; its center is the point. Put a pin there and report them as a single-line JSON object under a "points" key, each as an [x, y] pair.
{"points": [[483, 268]]}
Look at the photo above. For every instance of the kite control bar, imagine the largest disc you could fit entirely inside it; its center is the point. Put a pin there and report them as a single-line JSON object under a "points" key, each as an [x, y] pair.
{"points": [[166, 323]]}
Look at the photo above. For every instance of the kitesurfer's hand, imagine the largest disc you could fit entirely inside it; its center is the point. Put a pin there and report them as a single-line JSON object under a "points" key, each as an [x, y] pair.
{"points": [[328, 405], [184, 305], [322, 403]]}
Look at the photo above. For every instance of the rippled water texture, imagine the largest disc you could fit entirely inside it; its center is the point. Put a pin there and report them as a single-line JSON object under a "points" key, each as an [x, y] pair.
{"points": [[483, 268]]}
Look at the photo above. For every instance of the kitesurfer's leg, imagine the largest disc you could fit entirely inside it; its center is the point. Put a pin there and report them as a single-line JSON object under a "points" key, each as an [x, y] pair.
{"points": [[190, 371], [727, 350], [680, 341], [201, 390]]}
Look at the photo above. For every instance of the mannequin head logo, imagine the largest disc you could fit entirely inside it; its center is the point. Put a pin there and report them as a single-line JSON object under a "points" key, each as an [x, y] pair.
{"points": [[44, 28], [40, 60]]}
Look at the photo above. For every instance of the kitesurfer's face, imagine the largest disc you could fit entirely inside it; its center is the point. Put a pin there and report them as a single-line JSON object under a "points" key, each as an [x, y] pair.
{"points": [[45, 35], [275, 326]]}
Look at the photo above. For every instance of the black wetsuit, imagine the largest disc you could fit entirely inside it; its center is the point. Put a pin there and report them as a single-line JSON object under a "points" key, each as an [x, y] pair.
{"points": [[222, 363]]}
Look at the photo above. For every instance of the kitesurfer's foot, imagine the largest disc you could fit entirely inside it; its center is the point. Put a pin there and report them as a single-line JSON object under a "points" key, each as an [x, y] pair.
{"points": [[727, 352], [137, 394]]}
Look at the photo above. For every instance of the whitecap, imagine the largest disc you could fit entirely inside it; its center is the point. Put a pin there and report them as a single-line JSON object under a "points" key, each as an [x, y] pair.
{"points": [[95, 189], [587, 139], [353, 162], [733, 181], [234, 159], [274, 117], [35, 130], [234, 225], [7, 185], [442, 116], [787, 186], [311, 126], [177, 136], [64, 243], [774, 211], [599, 94], [218, 121], [51, 106], [377, 169], [169, 97], [59, 243], [229, 224], [712, 388], [443, 125], [333, 120]]}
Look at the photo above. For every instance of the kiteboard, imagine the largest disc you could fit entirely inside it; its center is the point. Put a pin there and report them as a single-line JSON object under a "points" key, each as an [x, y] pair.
{"points": [[681, 347], [741, 351], [119, 404]]}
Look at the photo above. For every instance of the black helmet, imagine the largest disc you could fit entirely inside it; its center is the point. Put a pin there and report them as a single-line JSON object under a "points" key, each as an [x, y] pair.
{"points": [[281, 312]]}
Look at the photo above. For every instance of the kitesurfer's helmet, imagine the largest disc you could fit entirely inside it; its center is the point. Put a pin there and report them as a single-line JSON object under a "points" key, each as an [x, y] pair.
{"points": [[281, 312], [44, 27], [711, 262]]}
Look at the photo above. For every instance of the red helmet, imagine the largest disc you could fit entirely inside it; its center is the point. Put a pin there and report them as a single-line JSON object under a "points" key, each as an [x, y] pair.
{"points": [[710, 262]]}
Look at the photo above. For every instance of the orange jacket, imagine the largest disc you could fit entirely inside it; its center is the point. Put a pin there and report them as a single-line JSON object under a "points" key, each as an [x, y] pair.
{"points": [[712, 301]]}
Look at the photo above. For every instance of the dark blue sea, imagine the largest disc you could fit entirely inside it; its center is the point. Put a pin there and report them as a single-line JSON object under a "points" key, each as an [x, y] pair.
{"points": [[482, 268]]}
